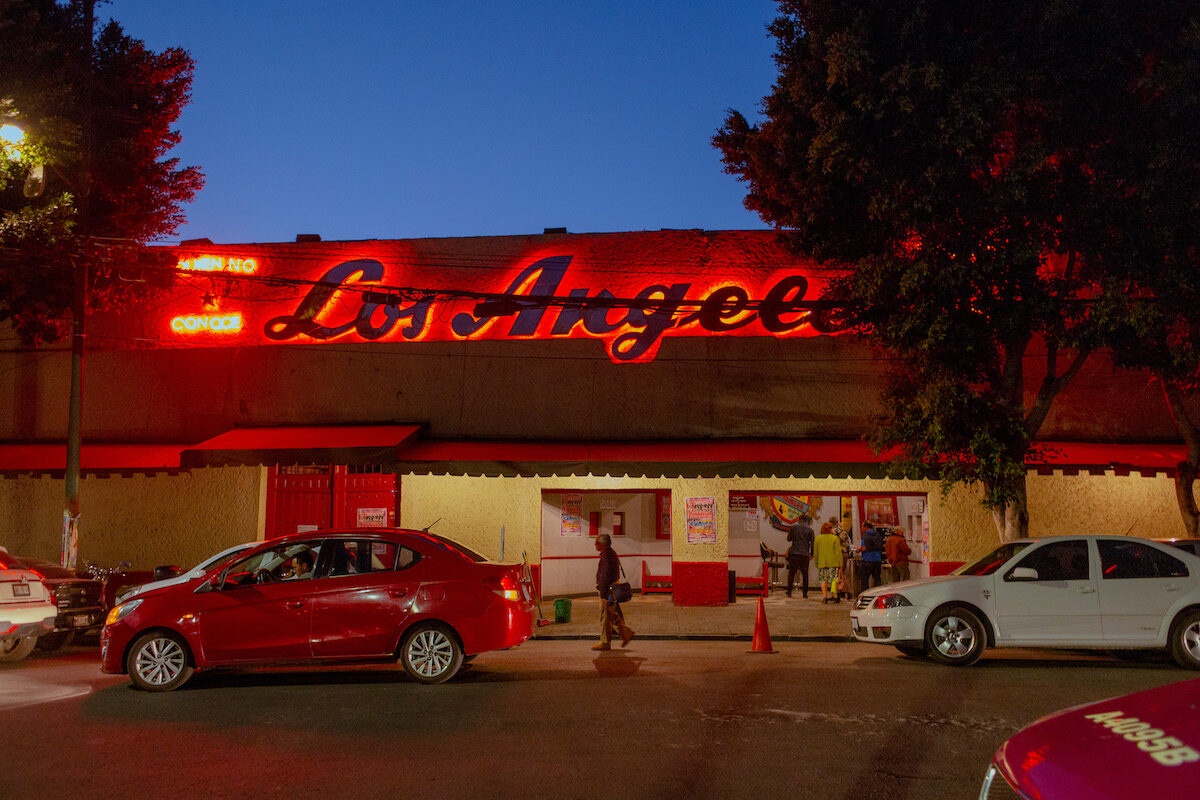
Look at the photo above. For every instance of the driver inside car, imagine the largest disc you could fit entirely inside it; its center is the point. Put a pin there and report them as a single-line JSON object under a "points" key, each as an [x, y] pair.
{"points": [[302, 566]]}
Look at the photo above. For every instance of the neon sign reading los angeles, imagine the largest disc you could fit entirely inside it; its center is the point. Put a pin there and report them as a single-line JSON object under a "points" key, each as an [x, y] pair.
{"points": [[351, 301]]}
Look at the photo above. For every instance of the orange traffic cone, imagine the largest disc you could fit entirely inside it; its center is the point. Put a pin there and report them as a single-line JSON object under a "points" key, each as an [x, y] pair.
{"points": [[762, 634]]}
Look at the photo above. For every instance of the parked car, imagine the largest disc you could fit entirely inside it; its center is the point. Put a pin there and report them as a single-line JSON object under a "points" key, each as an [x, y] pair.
{"points": [[1186, 545], [183, 577], [1106, 592], [370, 594], [26, 611], [79, 600], [1145, 744]]}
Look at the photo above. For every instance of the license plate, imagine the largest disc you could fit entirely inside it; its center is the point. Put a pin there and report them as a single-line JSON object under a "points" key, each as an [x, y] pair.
{"points": [[20, 590], [81, 620]]}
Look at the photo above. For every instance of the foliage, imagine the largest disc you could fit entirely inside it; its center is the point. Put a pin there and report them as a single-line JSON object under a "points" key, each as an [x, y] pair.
{"points": [[971, 163], [99, 119]]}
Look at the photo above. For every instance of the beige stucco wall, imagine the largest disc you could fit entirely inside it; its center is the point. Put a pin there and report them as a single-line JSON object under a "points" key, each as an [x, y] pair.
{"points": [[473, 509], [146, 520]]}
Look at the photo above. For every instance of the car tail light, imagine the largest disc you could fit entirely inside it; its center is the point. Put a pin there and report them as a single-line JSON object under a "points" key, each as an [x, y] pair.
{"points": [[50, 596], [508, 588]]}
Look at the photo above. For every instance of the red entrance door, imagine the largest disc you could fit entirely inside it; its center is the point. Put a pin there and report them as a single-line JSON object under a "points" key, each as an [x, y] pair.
{"points": [[315, 497]]}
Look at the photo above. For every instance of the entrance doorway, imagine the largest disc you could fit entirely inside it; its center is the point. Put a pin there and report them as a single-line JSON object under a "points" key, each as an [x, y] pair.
{"points": [[638, 520], [306, 498]]}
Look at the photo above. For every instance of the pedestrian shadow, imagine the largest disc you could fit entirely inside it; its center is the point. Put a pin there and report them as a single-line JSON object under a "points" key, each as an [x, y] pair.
{"points": [[617, 664]]}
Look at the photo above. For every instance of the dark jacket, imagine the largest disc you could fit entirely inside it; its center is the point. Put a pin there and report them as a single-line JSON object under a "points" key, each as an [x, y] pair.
{"points": [[872, 543], [607, 571], [801, 537]]}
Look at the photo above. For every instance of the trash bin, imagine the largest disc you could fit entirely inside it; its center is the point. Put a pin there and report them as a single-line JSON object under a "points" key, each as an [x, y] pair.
{"points": [[562, 609]]}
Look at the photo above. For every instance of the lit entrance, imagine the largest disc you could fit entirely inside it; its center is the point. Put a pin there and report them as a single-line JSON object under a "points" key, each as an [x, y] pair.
{"points": [[638, 520]]}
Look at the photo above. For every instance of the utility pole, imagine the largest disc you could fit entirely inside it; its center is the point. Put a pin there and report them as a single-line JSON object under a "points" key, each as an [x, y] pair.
{"points": [[70, 533]]}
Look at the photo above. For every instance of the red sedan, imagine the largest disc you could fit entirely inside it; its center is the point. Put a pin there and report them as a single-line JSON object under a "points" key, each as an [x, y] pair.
{"points": [[325, 597]]}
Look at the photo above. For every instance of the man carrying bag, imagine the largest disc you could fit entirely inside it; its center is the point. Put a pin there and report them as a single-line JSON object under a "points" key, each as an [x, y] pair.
{"points": [[612, 588]]}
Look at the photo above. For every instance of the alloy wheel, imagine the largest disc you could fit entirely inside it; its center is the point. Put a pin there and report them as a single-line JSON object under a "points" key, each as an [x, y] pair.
{"points": [[430, 653], [160, 661], [953, 637]]}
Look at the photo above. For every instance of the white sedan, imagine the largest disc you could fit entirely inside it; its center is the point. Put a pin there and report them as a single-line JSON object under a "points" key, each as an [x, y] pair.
{"points": [[26, 610], [1106, 592]]}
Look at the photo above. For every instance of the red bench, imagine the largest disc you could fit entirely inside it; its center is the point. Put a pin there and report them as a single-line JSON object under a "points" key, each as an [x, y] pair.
{"points": [[655, 583], [759, 585]]}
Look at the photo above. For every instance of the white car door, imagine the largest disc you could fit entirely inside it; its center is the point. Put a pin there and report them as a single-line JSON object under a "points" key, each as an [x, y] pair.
{"points": [[1055, 604], [1139, 585]]}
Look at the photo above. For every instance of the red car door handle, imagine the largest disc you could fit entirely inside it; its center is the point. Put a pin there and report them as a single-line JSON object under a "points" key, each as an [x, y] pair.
{"points": [[295, 604], [398, 592]]}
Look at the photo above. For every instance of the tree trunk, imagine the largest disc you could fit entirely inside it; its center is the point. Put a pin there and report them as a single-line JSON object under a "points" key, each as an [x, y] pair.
{"points": [[1185, 471], [1012, 518]]}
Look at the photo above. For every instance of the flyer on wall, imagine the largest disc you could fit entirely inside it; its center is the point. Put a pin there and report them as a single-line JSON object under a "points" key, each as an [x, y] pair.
{"points": [[701, 520]]}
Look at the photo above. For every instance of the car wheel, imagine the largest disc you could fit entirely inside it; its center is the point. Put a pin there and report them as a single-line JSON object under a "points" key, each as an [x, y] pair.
{"points": [[912, 650], [14, 649], [55, 641], [158, 662], [1185, 640], [431, 653], [954, 636]]}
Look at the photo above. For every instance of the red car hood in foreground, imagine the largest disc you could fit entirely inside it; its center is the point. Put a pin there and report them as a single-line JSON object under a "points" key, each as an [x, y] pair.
{"points": [[1145, 744]]}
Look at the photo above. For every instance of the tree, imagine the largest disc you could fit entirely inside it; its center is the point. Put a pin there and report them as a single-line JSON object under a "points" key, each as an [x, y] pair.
{"points": [[966, 162], [1157, 255], [98, 113]]}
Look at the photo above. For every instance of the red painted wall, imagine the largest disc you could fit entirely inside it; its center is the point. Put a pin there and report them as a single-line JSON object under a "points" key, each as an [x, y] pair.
{"points": [[700, 583]]}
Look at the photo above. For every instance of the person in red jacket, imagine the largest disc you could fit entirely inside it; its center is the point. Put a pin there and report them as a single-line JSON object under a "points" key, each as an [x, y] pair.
{"points": [[898, 551], [612, 619]]}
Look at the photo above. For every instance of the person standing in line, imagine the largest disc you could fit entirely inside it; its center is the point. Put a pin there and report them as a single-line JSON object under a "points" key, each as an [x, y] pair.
{"points": [[800, 548], [612, 619], [898, 551], [872, 556], [828, 549], [847, 541]]}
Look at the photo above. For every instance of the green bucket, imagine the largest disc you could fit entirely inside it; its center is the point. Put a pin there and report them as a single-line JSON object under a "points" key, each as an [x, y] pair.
{"points": [[562, 609]]}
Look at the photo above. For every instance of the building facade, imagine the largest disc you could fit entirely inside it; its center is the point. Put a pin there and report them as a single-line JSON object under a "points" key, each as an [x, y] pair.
{"points": [[521, 394]]}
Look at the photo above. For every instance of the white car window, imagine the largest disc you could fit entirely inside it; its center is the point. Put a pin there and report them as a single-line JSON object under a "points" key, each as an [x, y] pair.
{"points": [[1057, 561], [1133, 559]]}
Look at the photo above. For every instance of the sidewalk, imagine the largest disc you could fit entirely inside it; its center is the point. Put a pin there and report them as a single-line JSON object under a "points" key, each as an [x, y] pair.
{"points": [[655, 616]]}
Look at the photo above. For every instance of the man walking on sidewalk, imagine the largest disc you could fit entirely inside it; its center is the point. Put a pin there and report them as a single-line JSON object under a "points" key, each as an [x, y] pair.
{"points": [[800, 538], [612, 619]]}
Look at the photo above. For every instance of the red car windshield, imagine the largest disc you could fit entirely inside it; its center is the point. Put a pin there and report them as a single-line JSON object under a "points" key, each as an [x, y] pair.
{"points": [[993, 560]]}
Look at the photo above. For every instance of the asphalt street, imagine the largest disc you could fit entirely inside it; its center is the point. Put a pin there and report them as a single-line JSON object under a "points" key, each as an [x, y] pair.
{"points": [[549, 719]]}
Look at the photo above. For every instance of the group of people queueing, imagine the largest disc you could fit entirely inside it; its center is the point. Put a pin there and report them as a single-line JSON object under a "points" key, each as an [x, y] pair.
{"points": [[833, 550]]}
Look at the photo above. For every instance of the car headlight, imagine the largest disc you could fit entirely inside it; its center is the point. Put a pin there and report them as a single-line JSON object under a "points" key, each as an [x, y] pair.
{"points": [[890, 601], [119, 611]]}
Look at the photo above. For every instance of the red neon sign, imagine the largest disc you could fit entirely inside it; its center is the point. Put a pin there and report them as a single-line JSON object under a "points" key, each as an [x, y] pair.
{"points": [[201, 323], [630, 291]]}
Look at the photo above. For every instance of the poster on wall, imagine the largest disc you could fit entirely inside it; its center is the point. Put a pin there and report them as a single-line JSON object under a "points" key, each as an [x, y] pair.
{"points": [[880, 510], [701, 520], [572, 515], [371, 517]]}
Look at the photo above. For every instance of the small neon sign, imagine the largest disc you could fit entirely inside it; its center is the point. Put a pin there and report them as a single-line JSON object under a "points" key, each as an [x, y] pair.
{"points": [[241, 266], [199, 323]]}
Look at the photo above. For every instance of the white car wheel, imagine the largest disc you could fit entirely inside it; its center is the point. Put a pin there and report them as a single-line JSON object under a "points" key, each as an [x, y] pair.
{"points": [[431, 654], [14, 649], [955, 636], [1185, 640]]}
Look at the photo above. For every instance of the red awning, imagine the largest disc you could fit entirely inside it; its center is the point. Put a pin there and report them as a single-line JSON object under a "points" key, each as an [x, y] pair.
{"points": [[729, 457], [92, 457], [314, 444]]}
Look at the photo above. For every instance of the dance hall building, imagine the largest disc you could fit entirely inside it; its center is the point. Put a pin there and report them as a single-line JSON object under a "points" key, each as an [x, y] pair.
{"points": [[521, 394]]}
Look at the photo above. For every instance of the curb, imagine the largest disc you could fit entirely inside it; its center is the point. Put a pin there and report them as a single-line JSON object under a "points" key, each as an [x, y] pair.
{"points": [[699, 637]]}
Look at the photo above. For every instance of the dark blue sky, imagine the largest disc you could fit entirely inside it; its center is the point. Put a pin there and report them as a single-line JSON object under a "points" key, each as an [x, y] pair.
{"points": [[393, 119]]}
